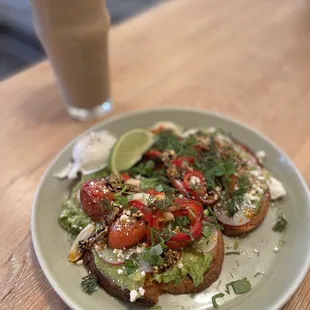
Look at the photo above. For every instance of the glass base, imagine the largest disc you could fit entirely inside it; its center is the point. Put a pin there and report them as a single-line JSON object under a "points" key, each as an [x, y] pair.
{"points": [[88, 114]]}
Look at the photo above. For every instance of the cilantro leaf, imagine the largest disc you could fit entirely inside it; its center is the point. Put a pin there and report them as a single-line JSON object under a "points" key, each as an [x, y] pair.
{"points": [[206, 231], [149, 183], [232, 253], [152, 255], [130, 266], [159, 188], [240, 286], [280, 225], [215, 297], [89, 284]]}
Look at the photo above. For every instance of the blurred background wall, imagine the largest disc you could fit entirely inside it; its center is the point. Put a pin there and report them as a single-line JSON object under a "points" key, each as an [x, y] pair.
{"points": [[19, 47]]}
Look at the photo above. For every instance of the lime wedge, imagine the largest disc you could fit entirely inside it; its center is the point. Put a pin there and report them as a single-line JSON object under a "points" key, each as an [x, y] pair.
{"points": [[129, 149]]}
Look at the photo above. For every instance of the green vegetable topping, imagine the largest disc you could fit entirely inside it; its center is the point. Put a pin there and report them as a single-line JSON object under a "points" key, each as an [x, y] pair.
{"points": [[152, 255], [89, 284], [206, 231], [280, 225], [130, 266], [232, 253], [215, 297], [240, 286]]}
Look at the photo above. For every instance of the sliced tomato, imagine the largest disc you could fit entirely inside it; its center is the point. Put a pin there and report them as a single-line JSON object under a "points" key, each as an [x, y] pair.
{"points": [[92, 195], [147, 214], [179, 185], [179, 162], [153, 154], [126, 235], [175, 245], [198, 190]]}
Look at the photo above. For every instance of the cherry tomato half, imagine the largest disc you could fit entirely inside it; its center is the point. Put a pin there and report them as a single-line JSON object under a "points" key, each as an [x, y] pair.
{"points": [[125, 235], [92, 195]]}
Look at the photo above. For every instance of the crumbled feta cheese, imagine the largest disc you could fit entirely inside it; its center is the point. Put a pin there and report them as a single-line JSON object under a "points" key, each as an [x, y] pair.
{"points": [[194, 180], [275, 249], [190, 132], [105, 190], [115, 251], [142, 273], [141, 291], [128, 212], [255, 173], [211, 130], [139, 250], [251, 197], [261, 155], [255, 251], [124, 218], [180, 265], [276, 188], [120, 271], [133, 295], [142, 197]]}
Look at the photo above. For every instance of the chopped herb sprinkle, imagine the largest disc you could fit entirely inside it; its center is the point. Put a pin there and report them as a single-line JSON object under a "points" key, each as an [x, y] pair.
{"points": [[215, 297]]}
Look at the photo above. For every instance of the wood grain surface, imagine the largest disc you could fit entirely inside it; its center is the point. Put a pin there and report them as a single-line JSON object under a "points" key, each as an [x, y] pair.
{"points": [[249, 60]]}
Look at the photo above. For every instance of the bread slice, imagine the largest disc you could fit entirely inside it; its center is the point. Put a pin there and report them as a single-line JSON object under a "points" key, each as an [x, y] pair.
{"points": [[255, 221], [154, 289]]}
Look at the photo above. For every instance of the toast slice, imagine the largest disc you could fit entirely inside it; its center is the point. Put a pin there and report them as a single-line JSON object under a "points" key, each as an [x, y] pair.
{"points": [[153, 289], [255, 221]]}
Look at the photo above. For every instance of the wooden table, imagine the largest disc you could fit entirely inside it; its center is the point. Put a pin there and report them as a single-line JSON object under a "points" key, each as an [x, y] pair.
{"points": [[249, 60]]}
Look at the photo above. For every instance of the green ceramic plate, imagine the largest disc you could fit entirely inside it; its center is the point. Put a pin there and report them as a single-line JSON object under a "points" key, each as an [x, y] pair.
{"points": [[280, 273]]}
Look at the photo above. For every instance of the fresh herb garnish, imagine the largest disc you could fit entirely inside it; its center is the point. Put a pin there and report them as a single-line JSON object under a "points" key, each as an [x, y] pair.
{"points": [[215, 297], [107, 205], [120, 201], [149, 183], [240, 286], [236, 245], [232, 253], [206, 231], [257, 274], [152, 255], [280, 225], [235, 198], [159, 188], [130, 266], [167, 140], [89, 284], [181, 222]]}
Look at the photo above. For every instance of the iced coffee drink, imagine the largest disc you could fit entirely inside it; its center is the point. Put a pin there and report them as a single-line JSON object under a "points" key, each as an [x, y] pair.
{"points": [[74, 34]]}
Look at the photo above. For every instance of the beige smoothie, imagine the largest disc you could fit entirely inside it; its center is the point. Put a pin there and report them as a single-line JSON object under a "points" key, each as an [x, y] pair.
{"points": [[74, 34]]}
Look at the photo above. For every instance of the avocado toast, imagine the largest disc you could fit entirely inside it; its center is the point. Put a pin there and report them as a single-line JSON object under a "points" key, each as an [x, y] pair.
{"points": [[152, 222]]}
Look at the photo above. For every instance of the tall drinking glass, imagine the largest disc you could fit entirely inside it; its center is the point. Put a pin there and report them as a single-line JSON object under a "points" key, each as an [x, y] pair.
{"points": [[74, 34]]}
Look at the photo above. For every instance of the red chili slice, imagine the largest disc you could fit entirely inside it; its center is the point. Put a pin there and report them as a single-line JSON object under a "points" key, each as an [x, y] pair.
{"points": [[147, 215], [179, 162], [201, 188], [194, 211]]}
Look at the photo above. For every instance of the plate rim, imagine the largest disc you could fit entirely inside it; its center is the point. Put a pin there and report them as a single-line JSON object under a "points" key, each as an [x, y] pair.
{"points": [[279, 302]]}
